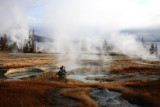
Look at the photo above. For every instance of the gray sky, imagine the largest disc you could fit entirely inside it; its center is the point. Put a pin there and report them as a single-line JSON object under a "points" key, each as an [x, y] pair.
{"points": [[74, 16]]}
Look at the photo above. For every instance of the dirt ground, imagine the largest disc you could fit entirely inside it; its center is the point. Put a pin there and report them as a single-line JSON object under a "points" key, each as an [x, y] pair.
{"points": [[57, 99]]}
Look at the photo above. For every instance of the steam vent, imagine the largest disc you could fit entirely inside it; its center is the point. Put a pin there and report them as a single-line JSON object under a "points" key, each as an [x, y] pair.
{"points": [[110, 99]]}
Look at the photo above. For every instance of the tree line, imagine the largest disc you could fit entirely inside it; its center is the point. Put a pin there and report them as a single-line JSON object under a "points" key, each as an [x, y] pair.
{"points": [[153, 47], [28, 47], [105, 48]]}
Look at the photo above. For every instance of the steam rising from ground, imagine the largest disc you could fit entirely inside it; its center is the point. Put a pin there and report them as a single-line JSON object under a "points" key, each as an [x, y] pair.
{"points": [[13, 20], [128, 45], [79, 26]]}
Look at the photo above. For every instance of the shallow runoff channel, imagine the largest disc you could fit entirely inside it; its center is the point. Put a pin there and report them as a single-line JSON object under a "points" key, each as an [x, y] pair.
{"points": [[87, 65]]}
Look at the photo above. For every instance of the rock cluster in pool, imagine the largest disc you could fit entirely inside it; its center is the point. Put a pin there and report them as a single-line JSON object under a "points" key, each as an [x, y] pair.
{"points": [[110, 99]]}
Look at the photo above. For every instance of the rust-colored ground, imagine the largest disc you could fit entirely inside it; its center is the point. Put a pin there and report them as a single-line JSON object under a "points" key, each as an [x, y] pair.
{"points": [[8, 61], [43, 89], [34, 93]]}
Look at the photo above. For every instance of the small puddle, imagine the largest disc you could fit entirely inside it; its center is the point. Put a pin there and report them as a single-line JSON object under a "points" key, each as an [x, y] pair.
{"points": [[83, 77], [19, 76]]}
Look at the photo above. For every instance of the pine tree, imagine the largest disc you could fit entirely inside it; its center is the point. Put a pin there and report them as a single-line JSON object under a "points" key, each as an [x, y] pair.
{"points": [[30, 45], [13, 46], [62, 74], [143, 43], [156, 50], [152, 49], [105, 47], [32, 42], [1, 40], [4, 41]]}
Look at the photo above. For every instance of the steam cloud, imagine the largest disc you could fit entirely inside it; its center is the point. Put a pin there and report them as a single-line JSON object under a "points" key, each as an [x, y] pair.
{"points": [[13, 20], [77, 23]]}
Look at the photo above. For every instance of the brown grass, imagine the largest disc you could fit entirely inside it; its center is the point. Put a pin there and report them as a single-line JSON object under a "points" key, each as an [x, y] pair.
{"points": [[25, 60], [6, 59], [47, 76], [23, 94], [50, 77], [147, 95], [140, 70], [20, 63], [16, 65], [81, 94], [123, 64], [142, 93], [29, 55], [31, 93]]}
